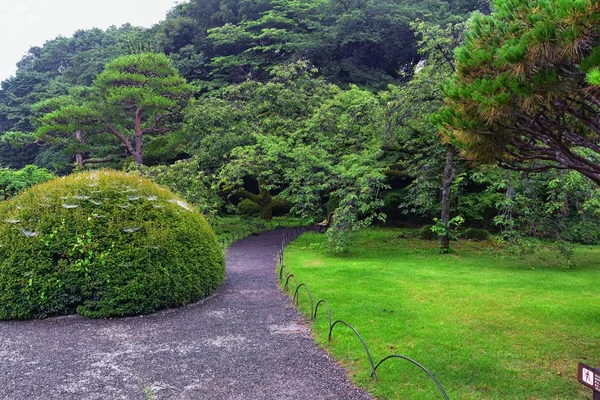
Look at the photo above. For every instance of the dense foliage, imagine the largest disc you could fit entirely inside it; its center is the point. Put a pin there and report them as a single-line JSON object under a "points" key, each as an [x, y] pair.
{"points": [[317, 105], [14, 181], [50, 71], [218, 42], [187, 179], [103, 244]]}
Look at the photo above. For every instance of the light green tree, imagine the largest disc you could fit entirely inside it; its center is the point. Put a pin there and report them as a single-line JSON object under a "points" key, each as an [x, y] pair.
{"points": [[266, 116]]}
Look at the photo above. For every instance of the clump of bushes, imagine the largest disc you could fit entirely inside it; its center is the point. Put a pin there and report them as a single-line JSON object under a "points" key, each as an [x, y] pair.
{"points": [[15, 181], [187, 179], [425, 233], [281, 206], [103, 244], [582, 231], [476, 234], [248, 207]]}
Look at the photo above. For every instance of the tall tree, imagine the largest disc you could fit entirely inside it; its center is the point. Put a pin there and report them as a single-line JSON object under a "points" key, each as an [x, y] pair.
{"points": [[70, 124], [251, 47], [263, 117], [52, 70], [141, 95], [412, 142]]}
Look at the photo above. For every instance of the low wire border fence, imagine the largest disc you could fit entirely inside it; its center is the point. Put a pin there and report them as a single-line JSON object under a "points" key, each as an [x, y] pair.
{"points": [[285, 277]]}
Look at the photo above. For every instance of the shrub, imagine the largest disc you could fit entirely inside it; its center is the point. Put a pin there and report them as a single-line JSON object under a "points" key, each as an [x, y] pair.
{"points": [[586, 232], [14, 181], [248, 207], [426, 233], [476, 234], [103, 244], [281, 206]]}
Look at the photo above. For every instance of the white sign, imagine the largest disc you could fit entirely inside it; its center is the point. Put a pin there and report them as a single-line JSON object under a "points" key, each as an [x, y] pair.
{"points": [[587, 376]]}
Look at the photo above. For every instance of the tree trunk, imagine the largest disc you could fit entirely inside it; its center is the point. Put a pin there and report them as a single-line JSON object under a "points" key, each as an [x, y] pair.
{"points": [[445, 217], [138, 137], [138, 158], [79, 161], [265, 202], [78, 156], [564, 212], [264, 199], [137, 154]]}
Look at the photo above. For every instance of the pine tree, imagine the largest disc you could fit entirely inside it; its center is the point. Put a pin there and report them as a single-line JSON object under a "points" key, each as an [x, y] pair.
{"points": [[526, 92]]}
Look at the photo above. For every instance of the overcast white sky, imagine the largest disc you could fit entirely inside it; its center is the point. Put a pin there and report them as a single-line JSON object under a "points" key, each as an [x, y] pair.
{"points": [[26, 23]]}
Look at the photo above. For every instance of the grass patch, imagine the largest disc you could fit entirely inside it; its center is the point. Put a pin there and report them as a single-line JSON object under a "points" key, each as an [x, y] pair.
{"points": [[487, 326]]}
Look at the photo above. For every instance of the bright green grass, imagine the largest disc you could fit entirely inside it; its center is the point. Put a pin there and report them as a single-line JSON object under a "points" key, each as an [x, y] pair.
{"points": [[487, 326]]}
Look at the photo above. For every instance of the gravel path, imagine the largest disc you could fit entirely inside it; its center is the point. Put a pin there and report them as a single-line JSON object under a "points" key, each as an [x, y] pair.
{"points": [[246, 342]]}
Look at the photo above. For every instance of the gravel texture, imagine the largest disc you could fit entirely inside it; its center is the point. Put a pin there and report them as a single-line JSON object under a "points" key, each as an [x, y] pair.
{"points": [[245, 342]]}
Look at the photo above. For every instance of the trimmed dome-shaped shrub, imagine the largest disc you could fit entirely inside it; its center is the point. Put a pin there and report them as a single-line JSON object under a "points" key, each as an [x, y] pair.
{"points": [[103, 244]]}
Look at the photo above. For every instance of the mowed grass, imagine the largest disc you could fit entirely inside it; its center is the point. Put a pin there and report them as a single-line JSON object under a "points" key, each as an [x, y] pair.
{"points": [[487, 326]]}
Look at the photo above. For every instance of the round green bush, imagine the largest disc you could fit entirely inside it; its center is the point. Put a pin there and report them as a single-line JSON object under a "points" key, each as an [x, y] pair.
{"points": [[248, 207], [476, 234], [103, 244]]}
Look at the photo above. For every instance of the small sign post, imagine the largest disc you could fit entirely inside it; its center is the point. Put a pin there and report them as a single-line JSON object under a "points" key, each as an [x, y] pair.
{"points": [[590, 377]]}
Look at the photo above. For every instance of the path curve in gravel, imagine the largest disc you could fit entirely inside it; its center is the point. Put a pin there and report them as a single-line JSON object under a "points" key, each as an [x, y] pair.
{"points": [[246, 342]]}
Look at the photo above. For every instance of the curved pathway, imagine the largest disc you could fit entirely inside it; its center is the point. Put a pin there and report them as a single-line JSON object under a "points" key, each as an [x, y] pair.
{"points": [[246, 342]]}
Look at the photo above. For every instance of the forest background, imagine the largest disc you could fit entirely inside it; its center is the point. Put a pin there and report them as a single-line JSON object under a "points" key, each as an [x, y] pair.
{"points": [[276, 106]]}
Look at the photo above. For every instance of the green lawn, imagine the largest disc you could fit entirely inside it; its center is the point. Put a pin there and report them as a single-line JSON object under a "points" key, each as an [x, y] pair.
{"points": [[487, 326]]}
